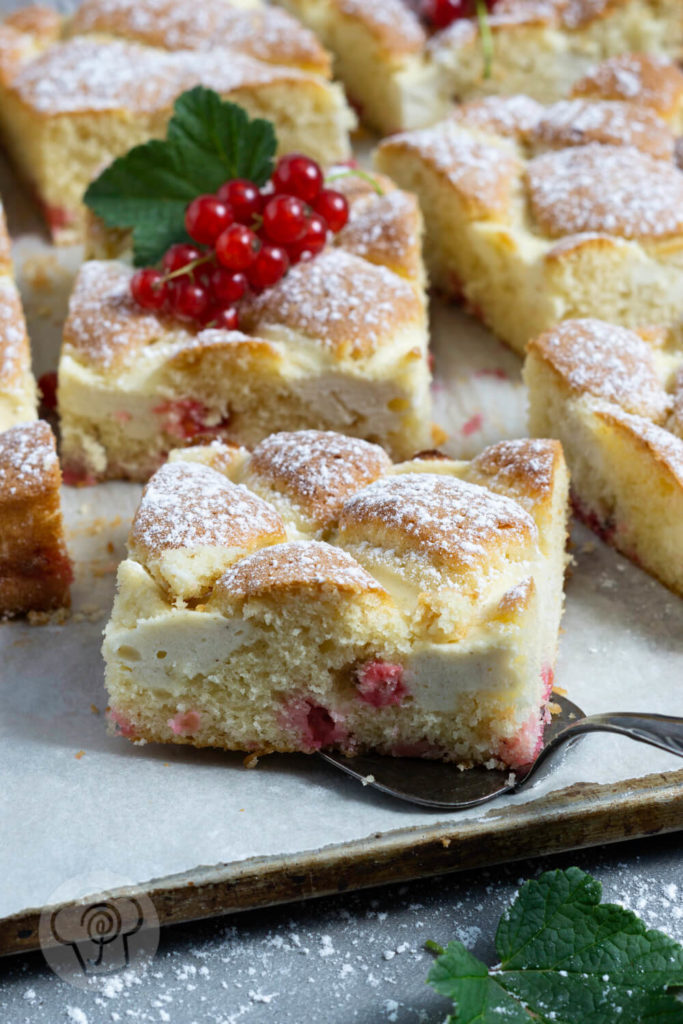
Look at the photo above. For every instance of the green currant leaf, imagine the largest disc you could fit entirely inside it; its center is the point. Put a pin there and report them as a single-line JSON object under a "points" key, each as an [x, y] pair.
{"points": [[566, 958], [208, 141]]}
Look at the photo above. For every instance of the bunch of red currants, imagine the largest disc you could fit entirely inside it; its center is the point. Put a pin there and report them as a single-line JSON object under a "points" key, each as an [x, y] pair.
{"points": [[247, 239]]}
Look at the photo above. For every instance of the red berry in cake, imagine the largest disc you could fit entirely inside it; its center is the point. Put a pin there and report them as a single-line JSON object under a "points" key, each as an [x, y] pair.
{"points": [[226, 319], [48, 390], [442, 13], [226, 286], [271, 264], [298, 175], [189, 300], [244, 198], [237, 247], [333, 207], [284, 219], [313, 241], [148, 289], [178, 256], [206, 217]]}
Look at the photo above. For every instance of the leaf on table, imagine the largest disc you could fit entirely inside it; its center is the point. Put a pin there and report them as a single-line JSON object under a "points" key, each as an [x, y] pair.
{"points": [[566, 959]]}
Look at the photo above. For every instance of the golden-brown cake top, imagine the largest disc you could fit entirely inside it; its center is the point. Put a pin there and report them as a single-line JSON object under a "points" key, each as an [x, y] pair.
{"points": [[569, 14], [615, 189], [482, 170], [317, 470], [581, 121], [87, 74], [295, 566], [28, 462], [455, 525], [384, 229], [42, 22], [665, 447], [353, 307], [609, 362], [641, 78], [513, 116], [524, 468], [395, 27], [188, 505], [266, 33]]}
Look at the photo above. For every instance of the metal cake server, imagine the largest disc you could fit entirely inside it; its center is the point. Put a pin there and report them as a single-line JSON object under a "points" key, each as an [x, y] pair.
{"points": [[447, 787]]}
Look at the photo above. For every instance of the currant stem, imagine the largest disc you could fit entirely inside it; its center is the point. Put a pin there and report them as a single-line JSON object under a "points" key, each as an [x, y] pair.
{"points": [[355, 172], [188, 268], [486, 36]]}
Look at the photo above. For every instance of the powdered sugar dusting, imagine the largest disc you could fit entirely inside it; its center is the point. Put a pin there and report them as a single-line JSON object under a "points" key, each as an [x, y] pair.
{"points": [[383, 228], [616, 189], [338, 299], [300, 562], [482, 171], [523, 466], [576, 122], [28, 460], [318, 469], [14, 351], [607, 361], [268, 34], [187, 504], [396, 25], [505, 115], [637, 77], [84, 74], [664, 445], [441, 517]]}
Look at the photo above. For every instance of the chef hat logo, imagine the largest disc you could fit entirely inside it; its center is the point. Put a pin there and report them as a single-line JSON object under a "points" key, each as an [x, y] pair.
{"points": [[86, 941]]}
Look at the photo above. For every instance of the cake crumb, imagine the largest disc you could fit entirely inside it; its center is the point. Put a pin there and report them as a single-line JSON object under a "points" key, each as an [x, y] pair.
{"points": [[79, 755], [55, 618], [367, 780], [250, 761], [445, 842]]}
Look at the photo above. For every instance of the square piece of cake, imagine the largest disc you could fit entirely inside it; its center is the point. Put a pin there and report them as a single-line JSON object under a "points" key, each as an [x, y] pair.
{"points": [[339, 343], [313, 594], [403, 72], [614, 398], [535, 215], [75, 94]]}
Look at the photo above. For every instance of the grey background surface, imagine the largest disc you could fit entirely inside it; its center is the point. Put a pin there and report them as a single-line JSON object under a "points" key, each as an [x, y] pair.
{"points": [[352, 959]]}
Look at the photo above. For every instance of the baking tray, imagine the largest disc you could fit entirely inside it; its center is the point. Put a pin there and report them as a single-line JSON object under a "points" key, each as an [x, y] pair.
{"points": [[82, 812]]}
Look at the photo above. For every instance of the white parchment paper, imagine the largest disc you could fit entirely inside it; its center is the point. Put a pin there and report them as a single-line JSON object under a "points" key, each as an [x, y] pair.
{"points": [[76, 803]]}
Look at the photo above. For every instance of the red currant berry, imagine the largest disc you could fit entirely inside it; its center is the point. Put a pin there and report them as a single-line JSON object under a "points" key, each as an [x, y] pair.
{"points": [[148, 289], [244, 198], [284, 219], [227, 287], [442, 13], [237, 247], [333, 207], [298, 175], [271, 264], [178, 256], [226, 319], [48, 390], [206, 217], [189, 300], [313, 241]]}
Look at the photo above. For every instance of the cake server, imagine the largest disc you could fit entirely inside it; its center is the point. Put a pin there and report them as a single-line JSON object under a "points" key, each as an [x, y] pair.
{"points": [[449, 788]]}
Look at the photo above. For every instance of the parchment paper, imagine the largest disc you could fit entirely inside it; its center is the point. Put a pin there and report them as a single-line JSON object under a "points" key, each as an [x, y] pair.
{"points": [[76, 803]]}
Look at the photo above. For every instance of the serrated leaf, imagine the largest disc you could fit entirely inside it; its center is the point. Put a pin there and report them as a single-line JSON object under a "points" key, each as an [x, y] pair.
{"points": [[478, 997], [209, 140], [568, 959]]}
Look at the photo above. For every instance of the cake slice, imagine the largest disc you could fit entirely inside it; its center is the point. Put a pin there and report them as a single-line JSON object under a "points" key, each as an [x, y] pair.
{"points": [[17, 386], [615, 399], [35, 571], [74, 96], [535, 215], [640, 78], [339, 343], [402, 73], [313, 594]]}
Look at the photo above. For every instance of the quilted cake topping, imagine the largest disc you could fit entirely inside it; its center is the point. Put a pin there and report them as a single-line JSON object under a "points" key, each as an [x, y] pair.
{"points": [[637, 78], [296, 564], [318, 469], [525, 468], [28, 460], [188, 505], [268, 34], [449, 521], [616, 189], [513, 116], [608, 361], [577, 122]]}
